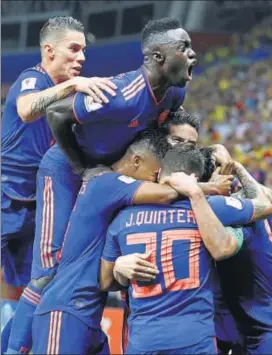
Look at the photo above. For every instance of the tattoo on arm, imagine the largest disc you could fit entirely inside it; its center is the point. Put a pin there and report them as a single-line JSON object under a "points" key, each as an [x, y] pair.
{"points": [[250, 186], [42, 103]]}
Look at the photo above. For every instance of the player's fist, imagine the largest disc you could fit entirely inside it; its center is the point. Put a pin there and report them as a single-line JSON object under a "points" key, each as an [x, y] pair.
{"points": [[222, 183], [223, 158], [135, 267], [184, 184], [95, 87]]}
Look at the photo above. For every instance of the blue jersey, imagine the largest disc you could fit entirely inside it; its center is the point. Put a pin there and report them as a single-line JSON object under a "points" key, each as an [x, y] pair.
{"points": [[176, 310], [75, 288], [246, 280], [23, 145], [106, 130]]}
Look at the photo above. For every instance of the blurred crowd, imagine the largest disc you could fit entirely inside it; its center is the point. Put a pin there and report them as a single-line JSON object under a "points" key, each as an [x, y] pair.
{"points": [[233, 99]]}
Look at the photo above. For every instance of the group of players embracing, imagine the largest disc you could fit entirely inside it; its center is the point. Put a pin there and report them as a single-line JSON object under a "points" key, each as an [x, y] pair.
{"points": [[127, 200]]}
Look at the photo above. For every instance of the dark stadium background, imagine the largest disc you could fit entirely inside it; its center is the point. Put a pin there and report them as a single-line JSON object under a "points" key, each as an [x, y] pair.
{"points": [[232, 87]]}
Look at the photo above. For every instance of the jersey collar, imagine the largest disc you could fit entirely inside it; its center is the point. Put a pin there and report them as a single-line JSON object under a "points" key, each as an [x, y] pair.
{"points": [[145, 75]]}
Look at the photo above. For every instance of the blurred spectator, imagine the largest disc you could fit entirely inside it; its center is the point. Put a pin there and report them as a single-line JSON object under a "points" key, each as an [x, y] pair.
{"points": [[233, 98]]}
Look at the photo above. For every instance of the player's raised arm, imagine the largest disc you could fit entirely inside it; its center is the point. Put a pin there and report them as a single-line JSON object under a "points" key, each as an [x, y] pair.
{"points": [[254, 191], [33, 105], [218, 240]]}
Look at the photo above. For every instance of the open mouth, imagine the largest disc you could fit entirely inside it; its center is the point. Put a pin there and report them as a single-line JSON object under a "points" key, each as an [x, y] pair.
{"points": [[190, 72]]}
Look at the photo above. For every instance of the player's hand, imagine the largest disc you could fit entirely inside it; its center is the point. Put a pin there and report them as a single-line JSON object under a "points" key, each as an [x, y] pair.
{"points": [[136, 267], [184, 184], [223, 183], [94, 87], [223, 158]]}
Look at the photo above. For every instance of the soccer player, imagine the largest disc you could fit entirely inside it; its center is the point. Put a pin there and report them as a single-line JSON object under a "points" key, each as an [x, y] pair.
{"points": [[69, 314], [250, 275], [98, 133], [26, 136], [170, 233]]}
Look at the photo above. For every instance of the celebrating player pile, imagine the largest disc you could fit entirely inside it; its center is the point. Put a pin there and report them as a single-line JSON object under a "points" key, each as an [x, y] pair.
{"points": [[161, 249]]}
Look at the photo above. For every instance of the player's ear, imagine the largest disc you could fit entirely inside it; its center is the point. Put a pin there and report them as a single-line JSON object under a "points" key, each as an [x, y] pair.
{"points": [[158, 56], [49, 50], [137, 161]]}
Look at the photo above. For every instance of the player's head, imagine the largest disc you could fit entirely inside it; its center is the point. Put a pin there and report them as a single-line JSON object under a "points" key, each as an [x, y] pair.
{"points": [[166, 47], [143, 157], [183, 158], [62, 43], [181, 127]]}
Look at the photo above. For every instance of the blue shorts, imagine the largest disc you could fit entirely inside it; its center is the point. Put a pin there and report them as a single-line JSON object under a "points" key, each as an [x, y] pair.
{"points": [[17, 235], [259, 345], [57, 189], [59, 332], [208, 346]]}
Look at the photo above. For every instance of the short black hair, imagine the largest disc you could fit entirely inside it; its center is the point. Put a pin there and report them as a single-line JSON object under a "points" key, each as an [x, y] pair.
{"points": [[150, 141], [58, 24], [155, 30], [183, 158], [180, 117], [209, 163]]}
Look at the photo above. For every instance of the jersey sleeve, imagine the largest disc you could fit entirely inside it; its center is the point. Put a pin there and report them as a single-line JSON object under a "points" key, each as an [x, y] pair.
{"points": [[29, 82], [111, 249], [116, 190], [178, 98], [86, 110], [231, 210]]}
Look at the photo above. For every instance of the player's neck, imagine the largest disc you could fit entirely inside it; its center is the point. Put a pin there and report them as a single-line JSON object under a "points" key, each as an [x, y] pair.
{"points": [[120, 166], [158, 84], [52, 72]]}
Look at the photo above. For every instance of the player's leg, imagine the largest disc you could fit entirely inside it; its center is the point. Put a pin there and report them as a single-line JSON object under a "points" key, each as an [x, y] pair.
{"points": [[18, 225], [55, 201], [59, 332]]}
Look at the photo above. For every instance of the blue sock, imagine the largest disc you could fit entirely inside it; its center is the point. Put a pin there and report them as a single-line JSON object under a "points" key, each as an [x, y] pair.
{"points": [[5, 336], [20, 340]]}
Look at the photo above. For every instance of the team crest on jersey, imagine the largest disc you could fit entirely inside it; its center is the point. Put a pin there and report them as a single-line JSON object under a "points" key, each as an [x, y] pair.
{"points": [[90, 105], [126, 179], [28, 84], [234, 202]]}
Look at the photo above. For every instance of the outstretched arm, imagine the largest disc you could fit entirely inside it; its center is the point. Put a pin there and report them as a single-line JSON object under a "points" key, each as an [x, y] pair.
{"points": [[61, 119]]}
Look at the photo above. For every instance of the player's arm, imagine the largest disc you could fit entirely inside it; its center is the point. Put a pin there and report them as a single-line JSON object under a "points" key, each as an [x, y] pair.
{"points": [[32, 106], [150, 192], [217, 239], [117, 274], [255, 192], [61, 119]]}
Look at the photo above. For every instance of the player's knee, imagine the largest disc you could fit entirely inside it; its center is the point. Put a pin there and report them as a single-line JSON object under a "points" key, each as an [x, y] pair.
{"points": [[41, 282]]}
